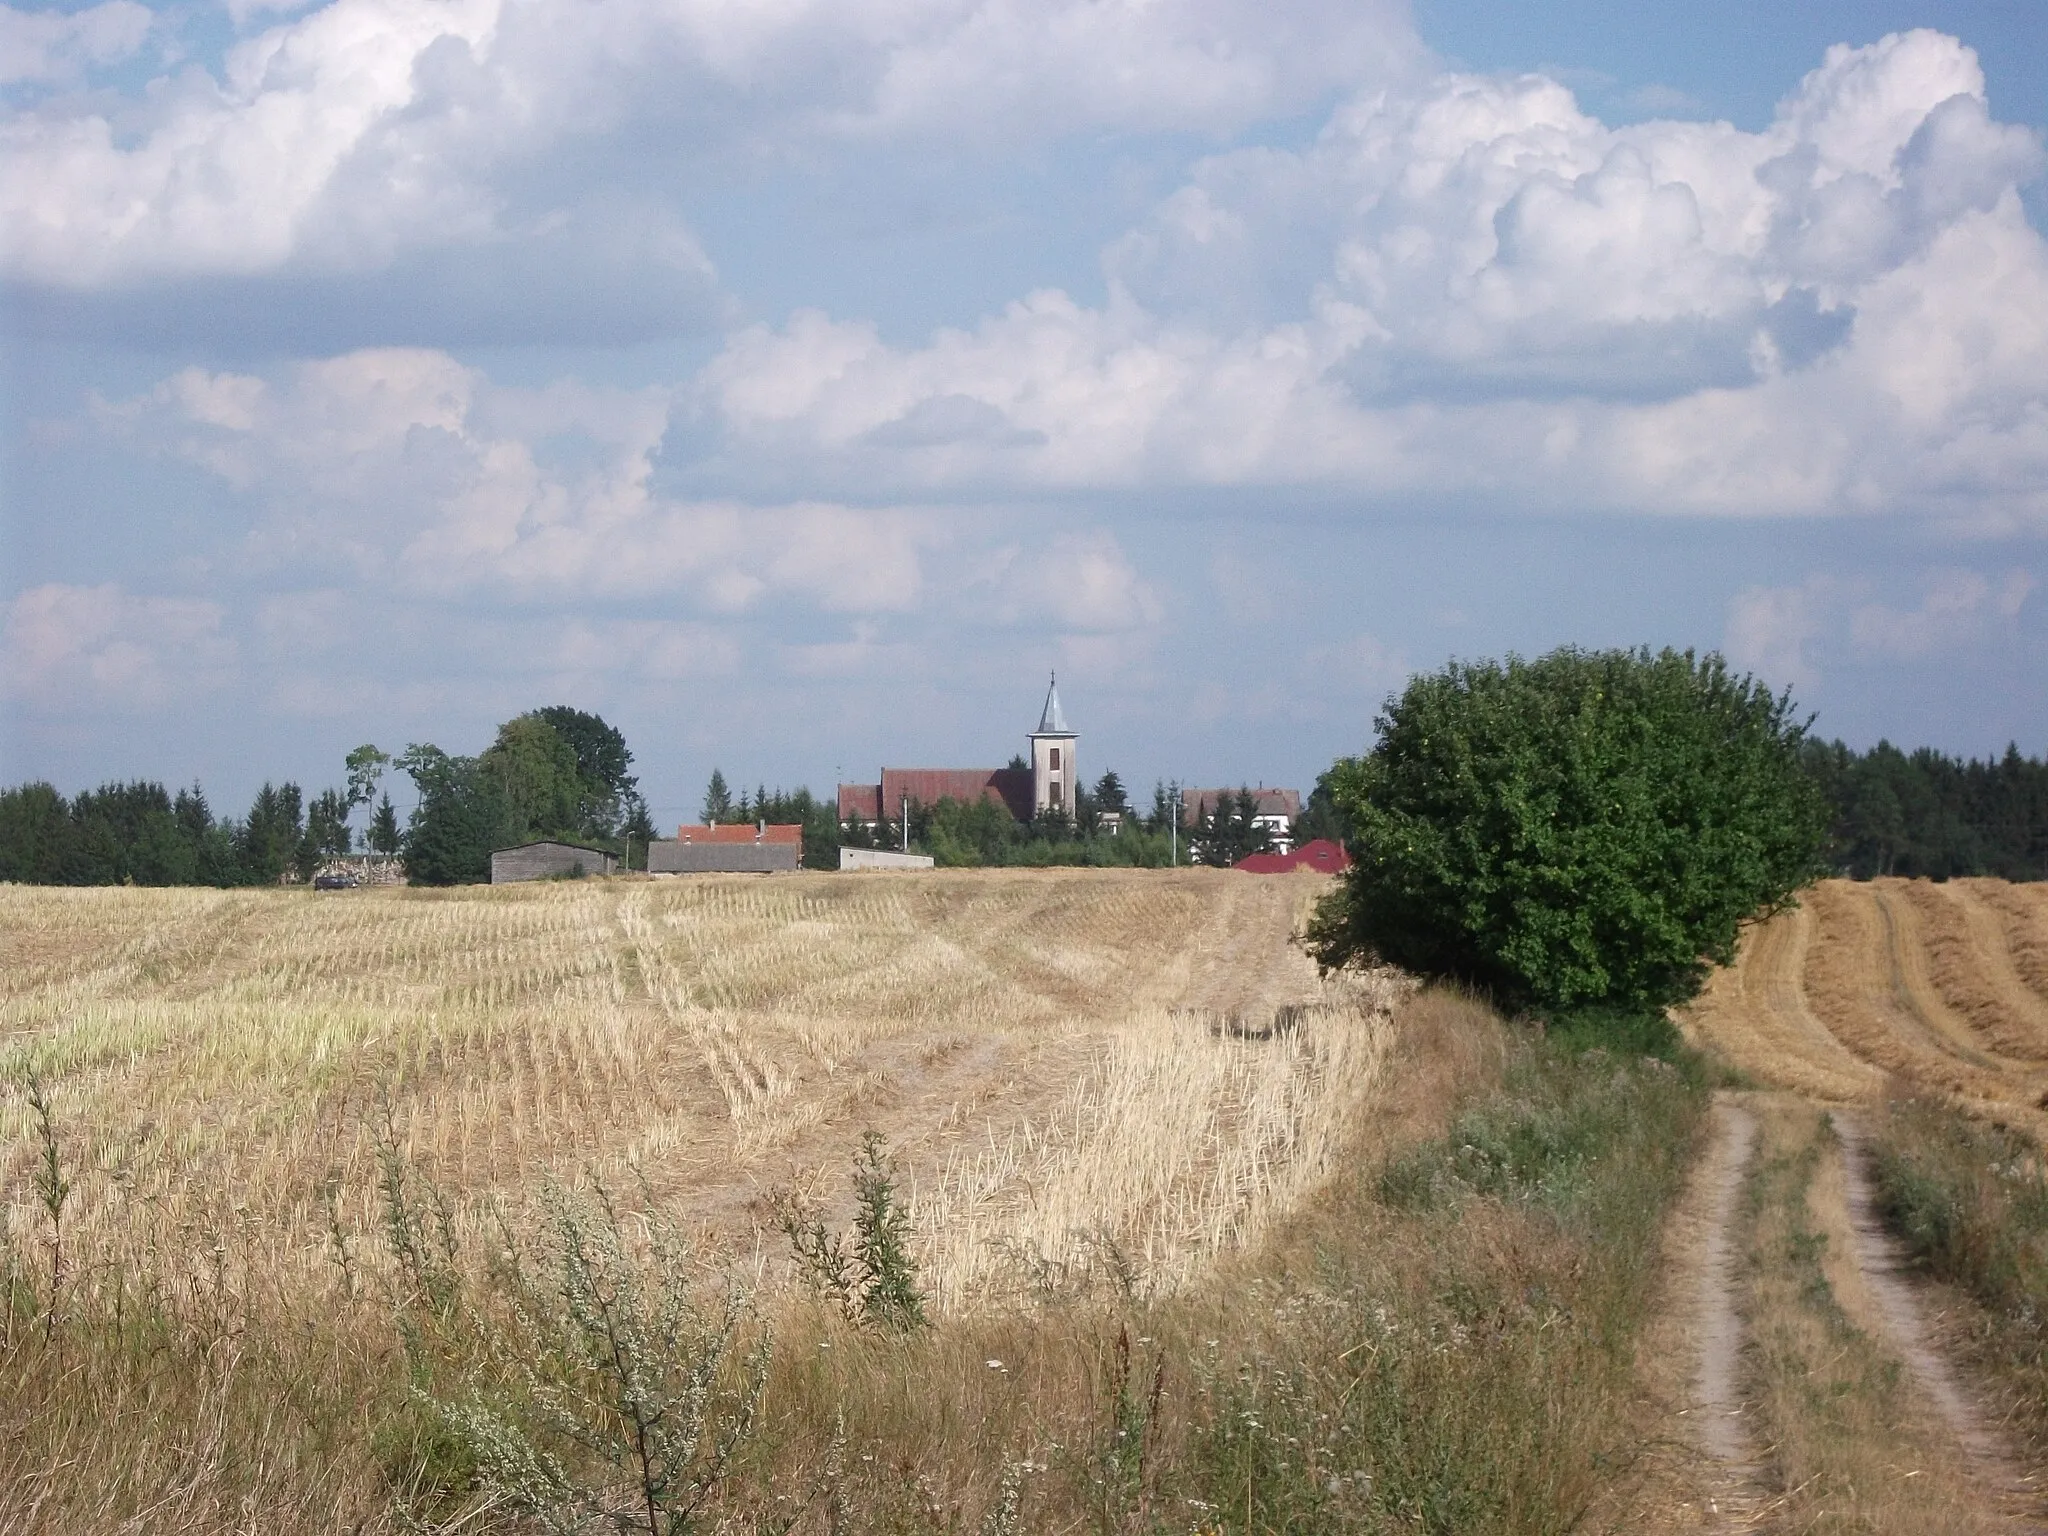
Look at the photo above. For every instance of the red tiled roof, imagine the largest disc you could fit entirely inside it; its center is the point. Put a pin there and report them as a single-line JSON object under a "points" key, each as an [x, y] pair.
{"points": [[742, 832], [1322, 854], [1008, 787]]}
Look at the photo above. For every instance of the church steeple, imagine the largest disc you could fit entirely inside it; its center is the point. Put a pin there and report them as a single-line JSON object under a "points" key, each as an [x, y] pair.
{"points": [[1053, 775], [1050, 721]]}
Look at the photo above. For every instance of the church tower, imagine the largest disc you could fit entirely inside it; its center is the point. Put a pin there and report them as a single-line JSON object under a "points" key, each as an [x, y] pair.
{"points": [[1053, 775]]}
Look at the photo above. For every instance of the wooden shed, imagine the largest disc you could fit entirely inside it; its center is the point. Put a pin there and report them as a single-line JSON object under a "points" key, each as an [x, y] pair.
{"points": [[549, 861]]}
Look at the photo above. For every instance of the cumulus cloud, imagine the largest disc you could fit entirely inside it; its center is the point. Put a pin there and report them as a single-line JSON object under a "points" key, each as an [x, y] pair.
{"points": [[1771, 632], [1783, 633], [1480, 292], [404, 466], [344, 137], [77, 647], [52, 47]]}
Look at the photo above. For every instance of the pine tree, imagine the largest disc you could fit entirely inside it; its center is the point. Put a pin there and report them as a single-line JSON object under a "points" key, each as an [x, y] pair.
{"points": [[717, 800], [383, 836]]}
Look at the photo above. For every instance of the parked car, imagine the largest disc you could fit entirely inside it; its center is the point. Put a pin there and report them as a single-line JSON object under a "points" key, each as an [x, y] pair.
{"points": [[335, 882]]}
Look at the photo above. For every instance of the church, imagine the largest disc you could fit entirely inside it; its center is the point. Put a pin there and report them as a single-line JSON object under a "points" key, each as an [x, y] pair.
{"points": [[1048, 784]]}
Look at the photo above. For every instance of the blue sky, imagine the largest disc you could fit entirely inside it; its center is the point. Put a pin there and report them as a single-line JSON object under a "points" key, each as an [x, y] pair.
{"points": [[797, 384]]}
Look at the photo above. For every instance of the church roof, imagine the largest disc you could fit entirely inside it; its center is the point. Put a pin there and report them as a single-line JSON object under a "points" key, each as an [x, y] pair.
{"points": [[1051, 722]]}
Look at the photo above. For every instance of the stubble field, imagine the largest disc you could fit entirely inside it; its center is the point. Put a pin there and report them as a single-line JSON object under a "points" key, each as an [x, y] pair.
{"points": [[1052, 1061]]}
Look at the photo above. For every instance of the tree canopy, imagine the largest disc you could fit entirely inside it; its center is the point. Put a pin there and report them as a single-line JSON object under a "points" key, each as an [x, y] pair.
{"points": [[1589, 829]]}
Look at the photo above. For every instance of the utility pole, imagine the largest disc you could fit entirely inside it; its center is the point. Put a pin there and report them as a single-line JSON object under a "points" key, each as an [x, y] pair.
{"points": [[906, 823], [1173, 822]]}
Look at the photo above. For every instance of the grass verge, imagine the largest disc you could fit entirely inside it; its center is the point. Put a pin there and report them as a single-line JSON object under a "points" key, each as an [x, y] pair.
{"points": [[1970, 1202]]}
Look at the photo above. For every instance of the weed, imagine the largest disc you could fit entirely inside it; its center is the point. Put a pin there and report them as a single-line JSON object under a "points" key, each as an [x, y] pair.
{"points": [[52, 1190], [606, 1391], [871, 1276]]}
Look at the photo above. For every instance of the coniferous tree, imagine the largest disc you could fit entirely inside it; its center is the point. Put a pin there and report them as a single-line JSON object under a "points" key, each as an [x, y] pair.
{"points": [[383, 835], [717, 800]]}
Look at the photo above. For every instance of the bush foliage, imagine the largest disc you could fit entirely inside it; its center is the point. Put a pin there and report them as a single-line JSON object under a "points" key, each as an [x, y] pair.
{"points": [[1588, 829]]}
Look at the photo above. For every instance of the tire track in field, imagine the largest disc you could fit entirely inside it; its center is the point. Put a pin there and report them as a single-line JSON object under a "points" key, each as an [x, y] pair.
{"points": [[1858, 985], [1755, 1013], [2011, 1497], [1718, 1410]]}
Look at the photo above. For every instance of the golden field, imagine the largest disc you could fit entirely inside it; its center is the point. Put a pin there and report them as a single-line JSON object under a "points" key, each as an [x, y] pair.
{"points": [[1053, 1058]]}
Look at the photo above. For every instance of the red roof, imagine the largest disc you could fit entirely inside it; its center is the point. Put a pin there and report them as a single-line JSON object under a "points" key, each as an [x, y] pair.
{"points": [[742, 832], [1008, 787], [1322, 855]]}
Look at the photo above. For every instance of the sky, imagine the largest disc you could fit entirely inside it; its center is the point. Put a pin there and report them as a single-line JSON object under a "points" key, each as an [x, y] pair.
{"points": [[799, 384]]}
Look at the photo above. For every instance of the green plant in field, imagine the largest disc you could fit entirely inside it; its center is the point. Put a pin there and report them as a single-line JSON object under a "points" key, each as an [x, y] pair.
{"points": [[606, 1394], [52, 1190], [871, 1276], [1589, 829]]}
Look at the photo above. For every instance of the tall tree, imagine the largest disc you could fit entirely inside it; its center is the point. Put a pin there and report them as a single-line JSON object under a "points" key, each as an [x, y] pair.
{"points": [[543, 793], [603, 767]]}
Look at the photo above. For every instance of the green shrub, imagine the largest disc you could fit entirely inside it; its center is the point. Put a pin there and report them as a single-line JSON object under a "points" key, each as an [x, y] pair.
{"points": [[1587, 830]]}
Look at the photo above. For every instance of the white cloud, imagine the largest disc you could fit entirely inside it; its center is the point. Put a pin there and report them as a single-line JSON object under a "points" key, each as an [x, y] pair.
{"points": [[1784, 633], [1487, 293], [70, 647], [1958, 611], [1771, 632], [1076, 580], [365, 128], [61, 46]]}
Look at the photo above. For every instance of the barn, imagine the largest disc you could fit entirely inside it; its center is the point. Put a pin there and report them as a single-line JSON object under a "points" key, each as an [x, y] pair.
{"points": [[549, 860], [734, 849]]}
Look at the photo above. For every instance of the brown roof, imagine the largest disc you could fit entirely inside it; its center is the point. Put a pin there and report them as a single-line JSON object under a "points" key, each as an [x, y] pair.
{"points": [[1008, 787], [742, 832], [1197, 803]]}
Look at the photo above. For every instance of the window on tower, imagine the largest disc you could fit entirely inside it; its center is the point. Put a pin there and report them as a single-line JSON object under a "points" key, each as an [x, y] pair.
{"points": [[1055, 759], [1055, 790]]}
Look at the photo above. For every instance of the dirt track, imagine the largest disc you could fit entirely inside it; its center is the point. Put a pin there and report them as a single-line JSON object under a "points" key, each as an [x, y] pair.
{"points": [[1861, 990]]}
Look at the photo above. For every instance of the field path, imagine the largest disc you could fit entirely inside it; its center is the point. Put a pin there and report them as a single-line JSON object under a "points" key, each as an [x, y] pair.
{"points": [[1717, 1410], [1863, 989], [2010, 1498]]}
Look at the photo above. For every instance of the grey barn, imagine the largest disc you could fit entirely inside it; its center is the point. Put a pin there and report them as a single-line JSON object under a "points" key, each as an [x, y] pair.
{"points": [[672, 856], [549, 861]]}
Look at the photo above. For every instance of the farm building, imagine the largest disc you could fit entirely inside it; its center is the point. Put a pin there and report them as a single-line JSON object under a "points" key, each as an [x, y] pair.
{"points": [[1276, 810], [549, 861], [736, 848], [1320, 854]]}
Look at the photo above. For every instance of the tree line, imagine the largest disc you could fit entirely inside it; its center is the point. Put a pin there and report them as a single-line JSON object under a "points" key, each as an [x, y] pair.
{"points": [[562, 773], [1926, 813], [551, 773]]}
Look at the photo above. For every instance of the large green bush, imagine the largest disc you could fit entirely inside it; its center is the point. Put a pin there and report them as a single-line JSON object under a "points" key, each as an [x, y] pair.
{"points": [[1587, 830]]}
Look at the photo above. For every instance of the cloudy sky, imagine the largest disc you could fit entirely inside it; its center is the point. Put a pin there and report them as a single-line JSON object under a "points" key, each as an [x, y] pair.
{"points": [[796, 383]]}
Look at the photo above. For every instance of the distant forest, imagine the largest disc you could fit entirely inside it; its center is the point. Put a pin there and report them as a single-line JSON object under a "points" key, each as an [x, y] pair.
{"points": [[1926, 813], [558, 772]]}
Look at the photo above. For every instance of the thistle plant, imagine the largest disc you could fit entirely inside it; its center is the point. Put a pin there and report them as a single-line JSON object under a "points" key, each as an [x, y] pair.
{"points": [[52, 1189]]}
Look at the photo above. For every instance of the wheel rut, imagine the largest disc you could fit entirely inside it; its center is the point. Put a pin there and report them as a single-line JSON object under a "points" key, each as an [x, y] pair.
{"points": [[2012, 1496]]}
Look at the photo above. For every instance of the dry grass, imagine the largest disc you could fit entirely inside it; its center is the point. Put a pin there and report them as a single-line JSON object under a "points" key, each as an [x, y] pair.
{"points": [[1065, 1065]]}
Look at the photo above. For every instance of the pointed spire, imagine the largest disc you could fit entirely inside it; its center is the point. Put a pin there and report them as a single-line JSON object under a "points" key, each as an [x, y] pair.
{"points": [[1050, 721]]}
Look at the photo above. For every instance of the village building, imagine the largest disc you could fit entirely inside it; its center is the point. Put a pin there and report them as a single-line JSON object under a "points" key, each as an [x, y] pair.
{"points": [[735, 848], [549, 860], [1273, 810], [1049, 783]]}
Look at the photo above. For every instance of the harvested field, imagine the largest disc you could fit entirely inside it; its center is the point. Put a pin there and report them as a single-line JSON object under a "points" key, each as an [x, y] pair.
{"points": [[1942, 989], [1059, 1061]]}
